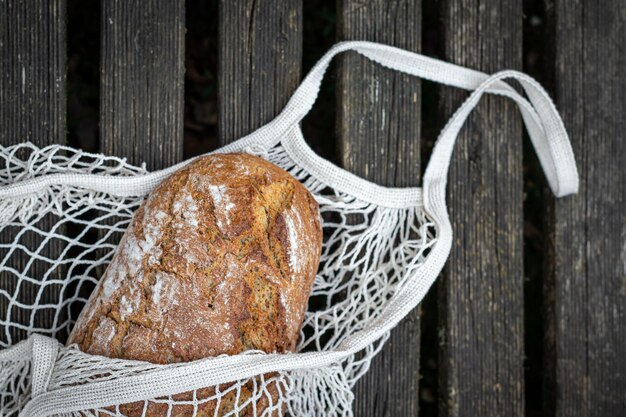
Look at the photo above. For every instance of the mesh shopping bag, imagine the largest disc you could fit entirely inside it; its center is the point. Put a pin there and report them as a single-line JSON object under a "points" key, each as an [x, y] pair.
{"points": [[383, 248]]}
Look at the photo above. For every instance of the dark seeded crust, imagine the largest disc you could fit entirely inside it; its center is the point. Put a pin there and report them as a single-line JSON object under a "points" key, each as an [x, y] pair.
{"points": [[219, 259]]}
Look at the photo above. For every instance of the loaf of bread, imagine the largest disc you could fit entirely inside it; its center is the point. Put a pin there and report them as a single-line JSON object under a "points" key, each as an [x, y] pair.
{"points": [[219, 259]]}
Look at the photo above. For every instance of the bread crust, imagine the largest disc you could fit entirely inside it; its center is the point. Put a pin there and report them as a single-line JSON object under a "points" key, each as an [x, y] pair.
{"points": [[220, 258]]}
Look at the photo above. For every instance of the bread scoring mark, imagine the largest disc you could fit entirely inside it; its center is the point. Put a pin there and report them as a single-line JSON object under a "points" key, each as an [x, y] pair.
{"points": [[291, 321], [156, 292], [294, 223], [273, 198], [126, 307], [224, 289], [186, 209], [161, 294], [103, 335], [223, 205]]}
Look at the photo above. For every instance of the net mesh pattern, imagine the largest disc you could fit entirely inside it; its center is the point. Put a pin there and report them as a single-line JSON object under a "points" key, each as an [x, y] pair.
{"points": [[14, 385], [55, 244], [67, 235]]}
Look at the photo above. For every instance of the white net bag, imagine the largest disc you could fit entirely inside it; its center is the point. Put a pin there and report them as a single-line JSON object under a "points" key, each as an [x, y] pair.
{"points": [[63, 211]]}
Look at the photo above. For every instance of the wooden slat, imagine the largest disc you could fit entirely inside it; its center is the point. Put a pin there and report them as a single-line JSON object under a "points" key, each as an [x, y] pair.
{"points": [[32, 52], [142, 79], [260, 54], [481, 294], [379, 137], [32, 108], [587, 291]]}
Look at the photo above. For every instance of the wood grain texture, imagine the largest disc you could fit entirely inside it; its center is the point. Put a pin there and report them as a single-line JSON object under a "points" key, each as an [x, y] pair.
{"points": [[260, 54], [379, 139], [32, 108], [587, 289], [142, 78], [481, 294]]}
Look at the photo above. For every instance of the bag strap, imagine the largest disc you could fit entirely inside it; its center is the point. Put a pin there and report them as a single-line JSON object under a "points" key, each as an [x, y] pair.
{"points": [[540, 116], [549, 139], [397, 59]]}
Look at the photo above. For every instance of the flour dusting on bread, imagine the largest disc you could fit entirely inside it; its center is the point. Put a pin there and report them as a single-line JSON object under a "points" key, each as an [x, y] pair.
{"points": [[222, 205], [220, 258]]}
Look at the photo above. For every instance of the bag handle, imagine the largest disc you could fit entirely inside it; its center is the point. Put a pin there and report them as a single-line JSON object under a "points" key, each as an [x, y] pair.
{"points": [[397, 59], [549, 139], [540, 116]]}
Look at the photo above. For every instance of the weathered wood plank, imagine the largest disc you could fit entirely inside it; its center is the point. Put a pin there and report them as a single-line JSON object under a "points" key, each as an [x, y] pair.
{"points": [[32, 52], [260, 54], [481, 295], [379, 136], [587, 287], [142, 79], [32, 108]]}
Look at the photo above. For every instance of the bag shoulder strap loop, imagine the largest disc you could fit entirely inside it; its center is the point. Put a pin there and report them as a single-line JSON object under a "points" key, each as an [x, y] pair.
{"points": [[547, 135], [542, 121], [394, 58]]}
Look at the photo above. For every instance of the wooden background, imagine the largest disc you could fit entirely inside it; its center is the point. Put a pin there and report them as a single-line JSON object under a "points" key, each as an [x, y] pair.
{"points": [[481, 304]]}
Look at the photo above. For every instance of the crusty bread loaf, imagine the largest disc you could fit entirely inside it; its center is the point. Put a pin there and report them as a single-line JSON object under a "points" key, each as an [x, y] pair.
{"points": [[219, 259]]}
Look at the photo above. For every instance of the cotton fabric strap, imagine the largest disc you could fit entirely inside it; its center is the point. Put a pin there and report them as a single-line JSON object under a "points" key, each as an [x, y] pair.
{"points": [[549, 138], [540, 116]]}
